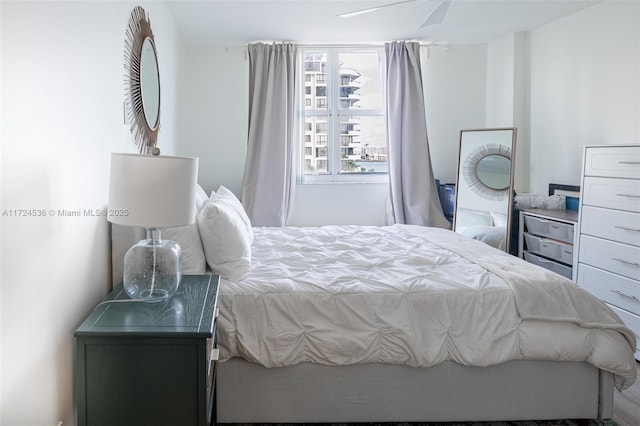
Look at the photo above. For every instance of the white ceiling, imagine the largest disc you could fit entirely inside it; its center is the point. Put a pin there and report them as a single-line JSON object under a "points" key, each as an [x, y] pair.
{"points": [[314, 21]]}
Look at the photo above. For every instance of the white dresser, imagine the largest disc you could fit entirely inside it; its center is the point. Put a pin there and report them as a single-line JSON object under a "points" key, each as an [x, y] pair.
{"points": [[609, 229]]}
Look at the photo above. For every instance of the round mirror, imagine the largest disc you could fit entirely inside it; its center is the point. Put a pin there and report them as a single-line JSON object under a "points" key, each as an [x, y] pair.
{"points": [[142, 82], [150, 83], [487, 170], [494, 171]]}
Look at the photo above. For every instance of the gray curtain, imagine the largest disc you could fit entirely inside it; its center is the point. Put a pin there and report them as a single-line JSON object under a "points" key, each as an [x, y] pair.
{"points": [[414, 196], [269, 179]]}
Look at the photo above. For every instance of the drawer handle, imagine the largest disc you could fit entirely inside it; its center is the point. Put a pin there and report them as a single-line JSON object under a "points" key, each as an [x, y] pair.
{"points": [[629, 195], [627, 228], [626, 262], [629, 162], [618, 292]]}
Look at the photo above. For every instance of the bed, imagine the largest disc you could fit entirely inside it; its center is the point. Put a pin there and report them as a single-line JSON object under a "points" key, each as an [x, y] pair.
{"points": [[403, 324]]}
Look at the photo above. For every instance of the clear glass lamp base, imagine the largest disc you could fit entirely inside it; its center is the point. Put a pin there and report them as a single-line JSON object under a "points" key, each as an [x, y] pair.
{"points": [[152, 268]]}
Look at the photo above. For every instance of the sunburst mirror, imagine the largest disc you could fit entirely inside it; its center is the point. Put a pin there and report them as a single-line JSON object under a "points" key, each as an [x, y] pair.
{"points": [[142, 81], [487, 171]]}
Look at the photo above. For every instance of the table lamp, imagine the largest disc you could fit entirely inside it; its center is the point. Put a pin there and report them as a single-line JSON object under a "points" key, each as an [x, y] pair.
{"points": [[154, 192]]}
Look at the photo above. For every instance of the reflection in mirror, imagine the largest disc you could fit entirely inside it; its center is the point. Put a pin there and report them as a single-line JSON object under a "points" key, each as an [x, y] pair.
{"points": [[493, 171], [484, 185], [150, 83]]}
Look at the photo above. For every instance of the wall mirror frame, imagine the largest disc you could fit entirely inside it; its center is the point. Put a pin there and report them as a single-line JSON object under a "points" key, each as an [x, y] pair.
{"points": [[142, 81], [484, 185]]}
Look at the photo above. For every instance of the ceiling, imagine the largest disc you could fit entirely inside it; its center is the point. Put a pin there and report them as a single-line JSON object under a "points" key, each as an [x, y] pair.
{"points": [[209, 22]]}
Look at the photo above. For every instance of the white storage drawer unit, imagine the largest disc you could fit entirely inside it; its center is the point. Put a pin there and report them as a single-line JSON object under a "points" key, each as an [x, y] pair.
{"points": [[608, 250], [546, 239]]}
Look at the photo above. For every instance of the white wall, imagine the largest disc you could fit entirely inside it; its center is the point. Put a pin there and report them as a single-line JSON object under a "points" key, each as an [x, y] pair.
{"points": [[214, 117], [455, 95], [585, 88], [508, 96], [62, 116]]}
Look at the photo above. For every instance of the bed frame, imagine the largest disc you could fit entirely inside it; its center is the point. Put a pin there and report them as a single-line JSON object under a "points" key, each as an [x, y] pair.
{"points": [[312, 393]]}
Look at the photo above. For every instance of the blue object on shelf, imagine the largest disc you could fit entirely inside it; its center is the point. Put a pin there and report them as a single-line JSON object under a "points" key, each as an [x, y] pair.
{"points": [[572, 203]]}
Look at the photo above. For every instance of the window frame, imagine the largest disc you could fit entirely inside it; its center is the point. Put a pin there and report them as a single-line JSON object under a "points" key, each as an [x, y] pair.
{"points": [[332, 114]]}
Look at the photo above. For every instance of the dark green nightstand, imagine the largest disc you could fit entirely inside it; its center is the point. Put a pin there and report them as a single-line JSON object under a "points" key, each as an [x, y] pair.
{"points": [[149, 363]]}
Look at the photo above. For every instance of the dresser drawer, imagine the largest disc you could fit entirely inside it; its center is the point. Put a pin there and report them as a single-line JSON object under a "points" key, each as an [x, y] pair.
{"points": [[619, 258], [613, 289], [613, 225], [620, 194], [619, 161], [633, 322]]}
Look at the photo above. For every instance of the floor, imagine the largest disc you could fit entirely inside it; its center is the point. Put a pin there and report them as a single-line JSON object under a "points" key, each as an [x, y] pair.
{"points": [[626, 411]]}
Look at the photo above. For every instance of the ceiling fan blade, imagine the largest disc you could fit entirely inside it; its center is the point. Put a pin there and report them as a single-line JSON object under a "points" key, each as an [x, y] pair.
{"points": [[438, 14], [371, 9]]}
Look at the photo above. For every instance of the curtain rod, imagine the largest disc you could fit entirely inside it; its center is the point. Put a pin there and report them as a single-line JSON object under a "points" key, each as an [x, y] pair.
{"points": [[332, 45], [365, 45], [339, 44]]}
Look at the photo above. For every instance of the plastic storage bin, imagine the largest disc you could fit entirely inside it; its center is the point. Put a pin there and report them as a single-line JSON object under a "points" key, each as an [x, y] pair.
{"points": [[558, 268], [561, 231], [547, 228]]}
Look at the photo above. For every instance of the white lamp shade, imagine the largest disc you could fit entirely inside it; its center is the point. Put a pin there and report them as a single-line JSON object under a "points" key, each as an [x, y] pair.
{"points": [[152, 191]]}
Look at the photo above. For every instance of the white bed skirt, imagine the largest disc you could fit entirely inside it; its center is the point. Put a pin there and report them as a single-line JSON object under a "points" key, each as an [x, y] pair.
{"points": [[312, 393]]}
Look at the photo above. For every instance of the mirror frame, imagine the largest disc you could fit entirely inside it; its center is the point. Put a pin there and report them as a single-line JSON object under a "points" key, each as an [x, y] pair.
{"points": [[145, 134], [466, 169]]}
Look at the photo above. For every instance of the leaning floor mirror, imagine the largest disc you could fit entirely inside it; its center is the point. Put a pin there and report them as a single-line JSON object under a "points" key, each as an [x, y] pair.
{"points": [[484, 185]]}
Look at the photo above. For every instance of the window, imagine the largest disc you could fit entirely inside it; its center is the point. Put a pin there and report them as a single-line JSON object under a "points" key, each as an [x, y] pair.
{"points": [[345, 133]]}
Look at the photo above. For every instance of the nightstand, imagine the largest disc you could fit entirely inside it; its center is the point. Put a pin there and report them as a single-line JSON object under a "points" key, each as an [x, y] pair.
{"points": [[143, 363]]}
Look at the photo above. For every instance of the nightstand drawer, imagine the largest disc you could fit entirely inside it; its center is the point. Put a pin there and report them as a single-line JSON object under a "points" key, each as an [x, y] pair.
{"points": [[613, 289], [619, 161], [619, 194], [618, 258], [615, 225]]}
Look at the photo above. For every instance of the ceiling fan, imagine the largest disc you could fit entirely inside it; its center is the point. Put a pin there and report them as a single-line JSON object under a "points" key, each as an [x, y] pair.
{"points": [[436, 16]]}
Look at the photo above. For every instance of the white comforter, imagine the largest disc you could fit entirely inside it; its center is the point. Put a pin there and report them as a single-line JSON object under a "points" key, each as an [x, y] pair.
{"points": [[409, 295]]}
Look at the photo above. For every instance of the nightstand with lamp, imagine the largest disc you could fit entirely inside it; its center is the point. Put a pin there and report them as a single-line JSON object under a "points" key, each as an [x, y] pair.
{"points": [[147, 354]]}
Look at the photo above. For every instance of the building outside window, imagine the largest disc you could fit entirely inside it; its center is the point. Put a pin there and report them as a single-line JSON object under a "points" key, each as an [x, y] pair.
{"points": [[345, 133]]}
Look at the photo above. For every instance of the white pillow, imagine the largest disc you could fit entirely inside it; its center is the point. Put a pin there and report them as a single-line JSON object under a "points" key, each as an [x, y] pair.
{"points": [[225, 195], [193, 261], [499, 219], [227, 246], [465, 217]]}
